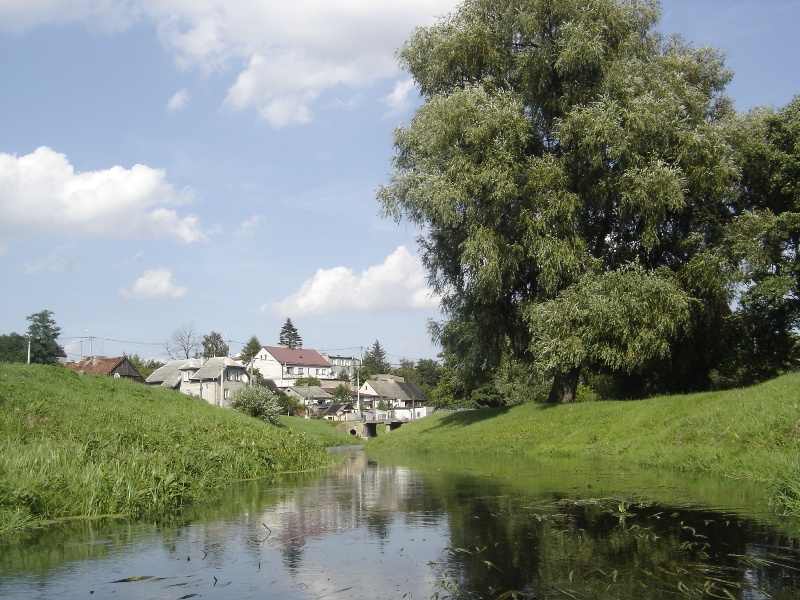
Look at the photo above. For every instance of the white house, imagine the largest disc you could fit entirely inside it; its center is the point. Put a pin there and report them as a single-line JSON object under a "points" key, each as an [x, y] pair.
{"points": [[285, 365], [342, 365]]}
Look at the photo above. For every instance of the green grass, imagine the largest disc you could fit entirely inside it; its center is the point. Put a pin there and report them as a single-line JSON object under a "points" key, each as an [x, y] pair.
{"points": [[325, 432], [84, 446], [751, 433]]}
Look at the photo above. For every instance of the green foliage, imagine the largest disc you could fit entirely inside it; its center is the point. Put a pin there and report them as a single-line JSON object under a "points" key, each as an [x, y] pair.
{"points": [[620, 319], [375, 361], [73, 445], [564, 149], [43, 333], [764, 246], [342, 394], [251, 349], [427, 374], [214, 345], [307, 381], [13, 348], [258, 402], [289, 337], [144, 367]]}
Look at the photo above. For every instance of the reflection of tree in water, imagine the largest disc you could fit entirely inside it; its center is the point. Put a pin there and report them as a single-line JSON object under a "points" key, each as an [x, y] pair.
{"points": [[292, 553], [609, 547]]}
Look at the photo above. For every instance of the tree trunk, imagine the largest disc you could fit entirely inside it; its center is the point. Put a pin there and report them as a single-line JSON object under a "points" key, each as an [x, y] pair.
{"points": [[565, 383]]}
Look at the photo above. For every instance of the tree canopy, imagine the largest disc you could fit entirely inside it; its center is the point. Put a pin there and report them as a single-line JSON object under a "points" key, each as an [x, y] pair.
{"points": [[43, 333], [13, 348], [374, 360], [289, 337], [251, 349], [214, 345], [572, 173]]}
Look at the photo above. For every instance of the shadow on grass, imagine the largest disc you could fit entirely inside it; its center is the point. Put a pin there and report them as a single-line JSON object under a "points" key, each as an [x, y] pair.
{"points": [[463, 418]]}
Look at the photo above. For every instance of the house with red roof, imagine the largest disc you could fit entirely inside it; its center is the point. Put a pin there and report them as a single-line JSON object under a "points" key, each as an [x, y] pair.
{"points": [[285, 365], [118, 366]]}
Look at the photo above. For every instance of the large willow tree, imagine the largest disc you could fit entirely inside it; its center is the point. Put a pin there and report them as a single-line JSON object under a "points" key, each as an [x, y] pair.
{"points": [[571, 177]]}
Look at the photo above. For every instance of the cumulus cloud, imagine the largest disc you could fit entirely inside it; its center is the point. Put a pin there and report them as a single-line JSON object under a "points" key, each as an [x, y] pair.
{"points": [[178, 101], [42, 196], [156, 283], [399, 101], [399, 283], [293, 51]]}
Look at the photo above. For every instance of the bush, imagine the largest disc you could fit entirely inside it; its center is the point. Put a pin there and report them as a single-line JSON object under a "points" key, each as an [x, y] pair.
{"points": [[258, 402]]}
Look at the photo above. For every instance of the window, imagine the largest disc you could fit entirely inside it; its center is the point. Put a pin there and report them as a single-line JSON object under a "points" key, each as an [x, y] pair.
{"points": [[186, 375], [300, 370], [290, 370]]}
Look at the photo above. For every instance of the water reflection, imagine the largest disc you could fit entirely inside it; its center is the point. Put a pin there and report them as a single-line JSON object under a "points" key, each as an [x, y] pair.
{"points": [[445, 528]]}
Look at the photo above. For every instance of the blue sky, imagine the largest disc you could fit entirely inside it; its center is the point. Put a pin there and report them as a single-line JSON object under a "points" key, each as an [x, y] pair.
{"points": [[168, 162]]}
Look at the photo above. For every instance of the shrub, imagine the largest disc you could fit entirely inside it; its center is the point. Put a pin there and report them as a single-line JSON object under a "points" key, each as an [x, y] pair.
{"points": [[258, 402]]}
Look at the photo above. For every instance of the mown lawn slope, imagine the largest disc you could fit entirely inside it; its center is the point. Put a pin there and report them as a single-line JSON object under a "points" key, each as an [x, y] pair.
{"points": [[76, 445], [751, 433]]}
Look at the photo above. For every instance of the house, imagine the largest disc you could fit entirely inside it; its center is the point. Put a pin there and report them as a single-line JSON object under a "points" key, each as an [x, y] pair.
{"points": [[285, 365], [169, 375], [214, 379], [308, 394], [403, 400], [342, 367], [339, 412], [118, 366]]}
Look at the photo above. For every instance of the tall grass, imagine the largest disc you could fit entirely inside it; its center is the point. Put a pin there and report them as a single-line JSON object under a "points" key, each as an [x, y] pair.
{"points": [[79, 445], [751, 433]]}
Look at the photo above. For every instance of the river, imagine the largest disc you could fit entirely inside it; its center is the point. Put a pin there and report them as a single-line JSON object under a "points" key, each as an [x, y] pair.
{"points": [[443, 527]]}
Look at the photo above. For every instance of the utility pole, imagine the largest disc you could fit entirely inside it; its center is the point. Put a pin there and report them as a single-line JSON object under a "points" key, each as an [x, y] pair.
{"points": [[29, 348], [358, 390]]}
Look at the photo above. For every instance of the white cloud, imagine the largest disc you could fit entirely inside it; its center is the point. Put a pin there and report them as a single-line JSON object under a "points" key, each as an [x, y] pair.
{"points": [[156, 283], [399, 101], [107, 15], [42, 196], [248, 228], [179, 100], [399, 283], [293, 51], [54, 263]]}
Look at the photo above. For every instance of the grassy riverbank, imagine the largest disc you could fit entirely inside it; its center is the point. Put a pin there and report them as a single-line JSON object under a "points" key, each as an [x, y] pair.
{"points": [[83, 446], [751, 433]]}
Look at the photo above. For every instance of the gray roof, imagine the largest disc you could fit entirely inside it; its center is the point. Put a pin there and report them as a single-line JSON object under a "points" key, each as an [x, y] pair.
{"points": [[214, 367], [310, 391], [398, 390], [169, 375]]}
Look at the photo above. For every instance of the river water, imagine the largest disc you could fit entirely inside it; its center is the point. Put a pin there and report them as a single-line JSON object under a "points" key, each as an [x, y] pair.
{"points": [[444, 527]]}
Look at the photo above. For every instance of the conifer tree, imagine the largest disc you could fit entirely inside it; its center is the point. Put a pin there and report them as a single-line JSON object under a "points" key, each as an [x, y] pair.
{"points": [[289, 337]]}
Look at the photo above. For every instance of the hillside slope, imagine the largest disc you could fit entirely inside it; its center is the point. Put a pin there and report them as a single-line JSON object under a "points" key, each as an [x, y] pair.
{"points": [[76, 445], [751, 433]]}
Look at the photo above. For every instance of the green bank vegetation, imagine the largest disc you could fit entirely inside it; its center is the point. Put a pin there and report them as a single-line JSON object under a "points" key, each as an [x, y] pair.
{"points": [[84, 446], [750, 433]]}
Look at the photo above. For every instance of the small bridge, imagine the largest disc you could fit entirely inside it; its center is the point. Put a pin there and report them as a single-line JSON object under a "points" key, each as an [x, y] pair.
{"points": [[369, 429]]}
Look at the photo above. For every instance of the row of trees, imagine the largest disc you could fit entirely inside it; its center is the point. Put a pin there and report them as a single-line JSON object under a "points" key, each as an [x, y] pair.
{"points": [[186, 342], [592, 206], [38, 345]]}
